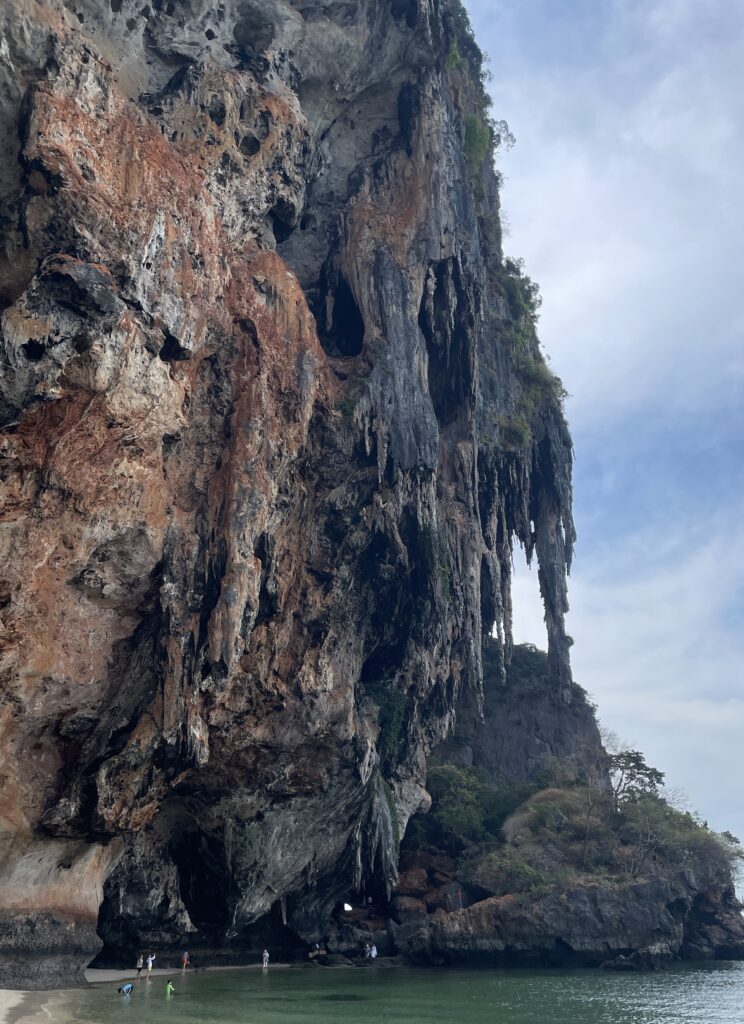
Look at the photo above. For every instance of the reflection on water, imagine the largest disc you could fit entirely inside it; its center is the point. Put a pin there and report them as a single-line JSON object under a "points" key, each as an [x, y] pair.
{"points": [[705, 994]]}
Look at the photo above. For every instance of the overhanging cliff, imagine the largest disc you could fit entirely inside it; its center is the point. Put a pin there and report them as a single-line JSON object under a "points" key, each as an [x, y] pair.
{"points": [[273, 416]]}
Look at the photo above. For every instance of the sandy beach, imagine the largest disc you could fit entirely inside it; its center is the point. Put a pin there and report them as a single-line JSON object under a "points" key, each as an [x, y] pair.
{"points": [[8, 1001], [21, 1007]]}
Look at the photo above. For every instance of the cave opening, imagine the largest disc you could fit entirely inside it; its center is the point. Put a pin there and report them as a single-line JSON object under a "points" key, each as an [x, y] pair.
{"points": [[446, 323], [172, 350], [338, 317], [408, 110], [34, 350], [270, 932], [407, 9], [283, 220], [203, 879], [249, 145], [268, 600]]}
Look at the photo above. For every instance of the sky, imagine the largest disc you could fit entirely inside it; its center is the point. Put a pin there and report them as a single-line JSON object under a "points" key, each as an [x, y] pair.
{"points": [[624, 194]]}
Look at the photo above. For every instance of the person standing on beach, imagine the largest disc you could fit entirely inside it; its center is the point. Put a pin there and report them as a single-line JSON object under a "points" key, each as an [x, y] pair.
{"points": [[150, 962], [140, 965], [265, 959]]}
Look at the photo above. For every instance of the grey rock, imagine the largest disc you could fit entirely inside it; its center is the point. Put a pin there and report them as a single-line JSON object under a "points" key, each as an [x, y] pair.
{"points": [[259, 501]]}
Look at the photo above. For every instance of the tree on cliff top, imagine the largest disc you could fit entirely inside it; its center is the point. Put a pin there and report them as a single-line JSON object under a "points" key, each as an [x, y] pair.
{"points": [[630, 776]]}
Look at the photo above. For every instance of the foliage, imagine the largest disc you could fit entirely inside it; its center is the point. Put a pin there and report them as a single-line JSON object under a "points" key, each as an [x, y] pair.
{"points": [[528, 667], [522, 293], [457, 804], [539, 383], [515, 432], [453, 61], [658, 834], [466, 807], [502, 871], [503, 801], [390, 801], [467, 49], [581, 696], [477, 143], [392, 704], [614, 825], [630, 776], [467, 63]]}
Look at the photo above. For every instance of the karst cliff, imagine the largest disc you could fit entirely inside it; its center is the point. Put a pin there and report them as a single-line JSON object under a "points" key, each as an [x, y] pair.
{"points": [[273, 416]]}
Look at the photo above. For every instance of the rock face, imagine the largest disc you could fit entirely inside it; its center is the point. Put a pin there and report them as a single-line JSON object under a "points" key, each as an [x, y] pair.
{"points": [[272, 416], [630, 925], [522, 727]]}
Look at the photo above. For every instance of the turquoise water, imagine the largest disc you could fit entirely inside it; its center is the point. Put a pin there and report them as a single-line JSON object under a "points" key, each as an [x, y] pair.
{"points": [[692, 995]]}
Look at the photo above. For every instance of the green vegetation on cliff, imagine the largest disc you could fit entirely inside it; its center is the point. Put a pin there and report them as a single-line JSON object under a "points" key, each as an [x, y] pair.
{"points": [[607, 821], [564, 836]]}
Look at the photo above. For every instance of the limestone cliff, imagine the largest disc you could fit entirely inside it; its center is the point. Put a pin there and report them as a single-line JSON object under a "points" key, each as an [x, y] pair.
{"points": [[273, 415], [527, 857]]}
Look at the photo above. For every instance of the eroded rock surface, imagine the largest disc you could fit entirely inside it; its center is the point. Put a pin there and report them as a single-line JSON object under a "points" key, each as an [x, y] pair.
{"points": [[619, 924], [265, 451]]}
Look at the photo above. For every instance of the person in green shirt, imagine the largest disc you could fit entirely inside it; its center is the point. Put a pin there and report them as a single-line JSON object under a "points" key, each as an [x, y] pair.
{"points": [[169, 989]]}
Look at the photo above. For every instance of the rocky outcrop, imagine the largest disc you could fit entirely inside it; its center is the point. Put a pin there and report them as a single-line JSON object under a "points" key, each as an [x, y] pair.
{"points": [[522, 730], [273, 415], [630, 925], [566, 877]]}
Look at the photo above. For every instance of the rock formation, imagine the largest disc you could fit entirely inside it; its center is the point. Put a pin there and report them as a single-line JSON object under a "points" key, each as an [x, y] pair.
{"points": [[571, 879], [273, 414], [272, 417]]}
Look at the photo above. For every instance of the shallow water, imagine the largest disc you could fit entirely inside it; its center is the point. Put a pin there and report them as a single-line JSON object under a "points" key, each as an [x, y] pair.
{"points": [[705, 994]]}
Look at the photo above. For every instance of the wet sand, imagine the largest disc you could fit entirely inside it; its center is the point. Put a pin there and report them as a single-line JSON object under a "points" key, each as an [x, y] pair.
{"points": [[8, 1002], [21, 1007]]}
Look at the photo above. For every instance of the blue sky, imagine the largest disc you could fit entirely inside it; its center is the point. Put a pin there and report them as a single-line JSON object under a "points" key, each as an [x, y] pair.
{"points": [[624, 194]]}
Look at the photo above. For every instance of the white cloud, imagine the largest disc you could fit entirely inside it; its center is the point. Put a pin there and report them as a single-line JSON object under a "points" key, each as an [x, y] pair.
{"points": [[623, 195]]}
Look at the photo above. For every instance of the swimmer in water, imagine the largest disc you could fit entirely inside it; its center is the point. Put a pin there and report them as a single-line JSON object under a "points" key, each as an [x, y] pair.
{"points": [[126, 990], [169, 989]]}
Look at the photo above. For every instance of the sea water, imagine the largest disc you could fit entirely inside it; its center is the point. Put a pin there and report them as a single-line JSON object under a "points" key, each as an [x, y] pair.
{"points": [[696, 994]]}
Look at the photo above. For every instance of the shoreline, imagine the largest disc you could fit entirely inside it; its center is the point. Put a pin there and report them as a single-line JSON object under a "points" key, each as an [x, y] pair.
{"points": [[22, 1006], [106, 976], [10, 999], [25, 1006]]}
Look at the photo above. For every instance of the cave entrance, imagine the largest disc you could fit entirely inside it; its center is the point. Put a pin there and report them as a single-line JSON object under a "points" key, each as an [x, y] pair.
{"points": [[447, 323], [270, 932], [338, 318], [203, 879]]}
